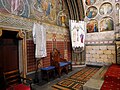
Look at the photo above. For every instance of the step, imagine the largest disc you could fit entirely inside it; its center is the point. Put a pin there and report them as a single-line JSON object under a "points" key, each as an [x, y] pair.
{"points": [[96, 81]]}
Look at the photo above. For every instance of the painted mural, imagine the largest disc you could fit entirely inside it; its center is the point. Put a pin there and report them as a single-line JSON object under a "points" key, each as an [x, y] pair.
{"points": [[16, 7], [91, 12], [106, 24], [106, 8], [62, 17], [43, 10], [90, 2], [92, 26]]}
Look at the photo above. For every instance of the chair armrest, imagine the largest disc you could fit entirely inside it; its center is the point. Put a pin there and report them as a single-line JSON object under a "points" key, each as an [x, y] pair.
{"points": [[28, 80], [63, 60]]}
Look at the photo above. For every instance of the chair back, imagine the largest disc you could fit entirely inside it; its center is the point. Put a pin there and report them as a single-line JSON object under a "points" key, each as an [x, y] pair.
{"points": [[54, 56], [12, 78]]}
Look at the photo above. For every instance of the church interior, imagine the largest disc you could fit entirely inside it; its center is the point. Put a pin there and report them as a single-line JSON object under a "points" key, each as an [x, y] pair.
{"points": [[59, 44]]}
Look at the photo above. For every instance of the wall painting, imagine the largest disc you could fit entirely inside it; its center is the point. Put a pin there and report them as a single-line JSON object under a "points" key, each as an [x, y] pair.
{"points": [[106, 24], [106, 8], [92, 26], [91, 12], [43, 10], [90, 2]]}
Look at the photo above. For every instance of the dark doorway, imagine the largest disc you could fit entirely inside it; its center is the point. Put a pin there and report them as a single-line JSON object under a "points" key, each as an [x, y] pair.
{"points": [[9, 56]]}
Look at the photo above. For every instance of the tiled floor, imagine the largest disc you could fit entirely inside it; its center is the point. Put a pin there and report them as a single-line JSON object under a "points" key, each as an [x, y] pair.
{"points": [[48, 85]]}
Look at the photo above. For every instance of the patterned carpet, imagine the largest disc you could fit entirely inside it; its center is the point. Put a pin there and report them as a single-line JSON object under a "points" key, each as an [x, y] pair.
{"points": [[77, 80]]}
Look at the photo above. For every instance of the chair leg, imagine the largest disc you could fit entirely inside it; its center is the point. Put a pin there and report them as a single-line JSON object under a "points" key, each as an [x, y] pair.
{"points": [[59, 72], [70, 67], [48, 76], [66, 69]]}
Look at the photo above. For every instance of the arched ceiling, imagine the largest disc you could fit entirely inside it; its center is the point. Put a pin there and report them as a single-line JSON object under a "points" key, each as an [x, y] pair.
{"points": [[75, 9]]}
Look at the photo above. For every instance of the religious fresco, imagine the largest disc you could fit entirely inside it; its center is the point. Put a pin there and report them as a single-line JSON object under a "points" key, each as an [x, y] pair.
{"points": [[16, 7], [91, 12], [43, 10], [106, 24], [90, 2], [92, 26], [105, 8], [62, 17]]}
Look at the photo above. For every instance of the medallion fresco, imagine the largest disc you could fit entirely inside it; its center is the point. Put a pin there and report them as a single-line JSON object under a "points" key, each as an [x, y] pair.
{"points": [[106, 8], [106, 24], [91, 12], [90, 2], [92, 26]]}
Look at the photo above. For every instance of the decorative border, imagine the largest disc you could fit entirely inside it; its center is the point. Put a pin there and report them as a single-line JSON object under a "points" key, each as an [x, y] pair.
{"points": [[99, 42], [20, 23]]}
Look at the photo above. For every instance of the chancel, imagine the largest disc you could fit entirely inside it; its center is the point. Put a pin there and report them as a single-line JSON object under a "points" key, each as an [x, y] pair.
{"points": [[59, 44]]}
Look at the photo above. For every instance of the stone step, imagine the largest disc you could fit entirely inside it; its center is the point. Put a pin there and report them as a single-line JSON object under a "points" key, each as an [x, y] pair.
{"points": [[96, 81]]}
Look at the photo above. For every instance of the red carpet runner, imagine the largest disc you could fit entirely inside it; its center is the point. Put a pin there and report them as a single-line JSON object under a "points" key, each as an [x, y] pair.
{"points": [[77, 80], [112, 78]]}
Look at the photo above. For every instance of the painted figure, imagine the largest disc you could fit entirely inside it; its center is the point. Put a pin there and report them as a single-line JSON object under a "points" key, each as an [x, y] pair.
{"points": [[95, 28], [48, 9], [91, 12], [92, 26], [90, 2], [14, 6], [106, 24], [106, 8], [82, 37]]}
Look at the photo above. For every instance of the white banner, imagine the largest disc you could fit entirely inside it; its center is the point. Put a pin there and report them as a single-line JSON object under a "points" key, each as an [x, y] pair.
{"points": [[78, 30]]}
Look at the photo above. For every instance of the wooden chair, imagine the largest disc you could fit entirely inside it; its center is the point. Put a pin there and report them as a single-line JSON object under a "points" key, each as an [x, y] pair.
{"points": [[13, 81], [2, 81], [59, 63]]}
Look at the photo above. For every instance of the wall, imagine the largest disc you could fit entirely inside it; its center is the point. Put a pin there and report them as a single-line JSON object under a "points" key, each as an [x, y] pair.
{"points": [[21, 15], [102, 28], [57, 37], [48, 11]]}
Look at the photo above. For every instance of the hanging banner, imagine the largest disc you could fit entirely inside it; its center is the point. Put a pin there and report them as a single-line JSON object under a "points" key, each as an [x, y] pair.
{"points": [[77, 30]]}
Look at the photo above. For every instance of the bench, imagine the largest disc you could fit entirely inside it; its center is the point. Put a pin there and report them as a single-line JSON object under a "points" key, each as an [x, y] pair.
{"points": [[46, 71]]}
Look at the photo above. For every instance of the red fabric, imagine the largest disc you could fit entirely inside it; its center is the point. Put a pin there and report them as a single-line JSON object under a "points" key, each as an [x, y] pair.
{"points": [[112, 78], [110, 85], [19, 87]]}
